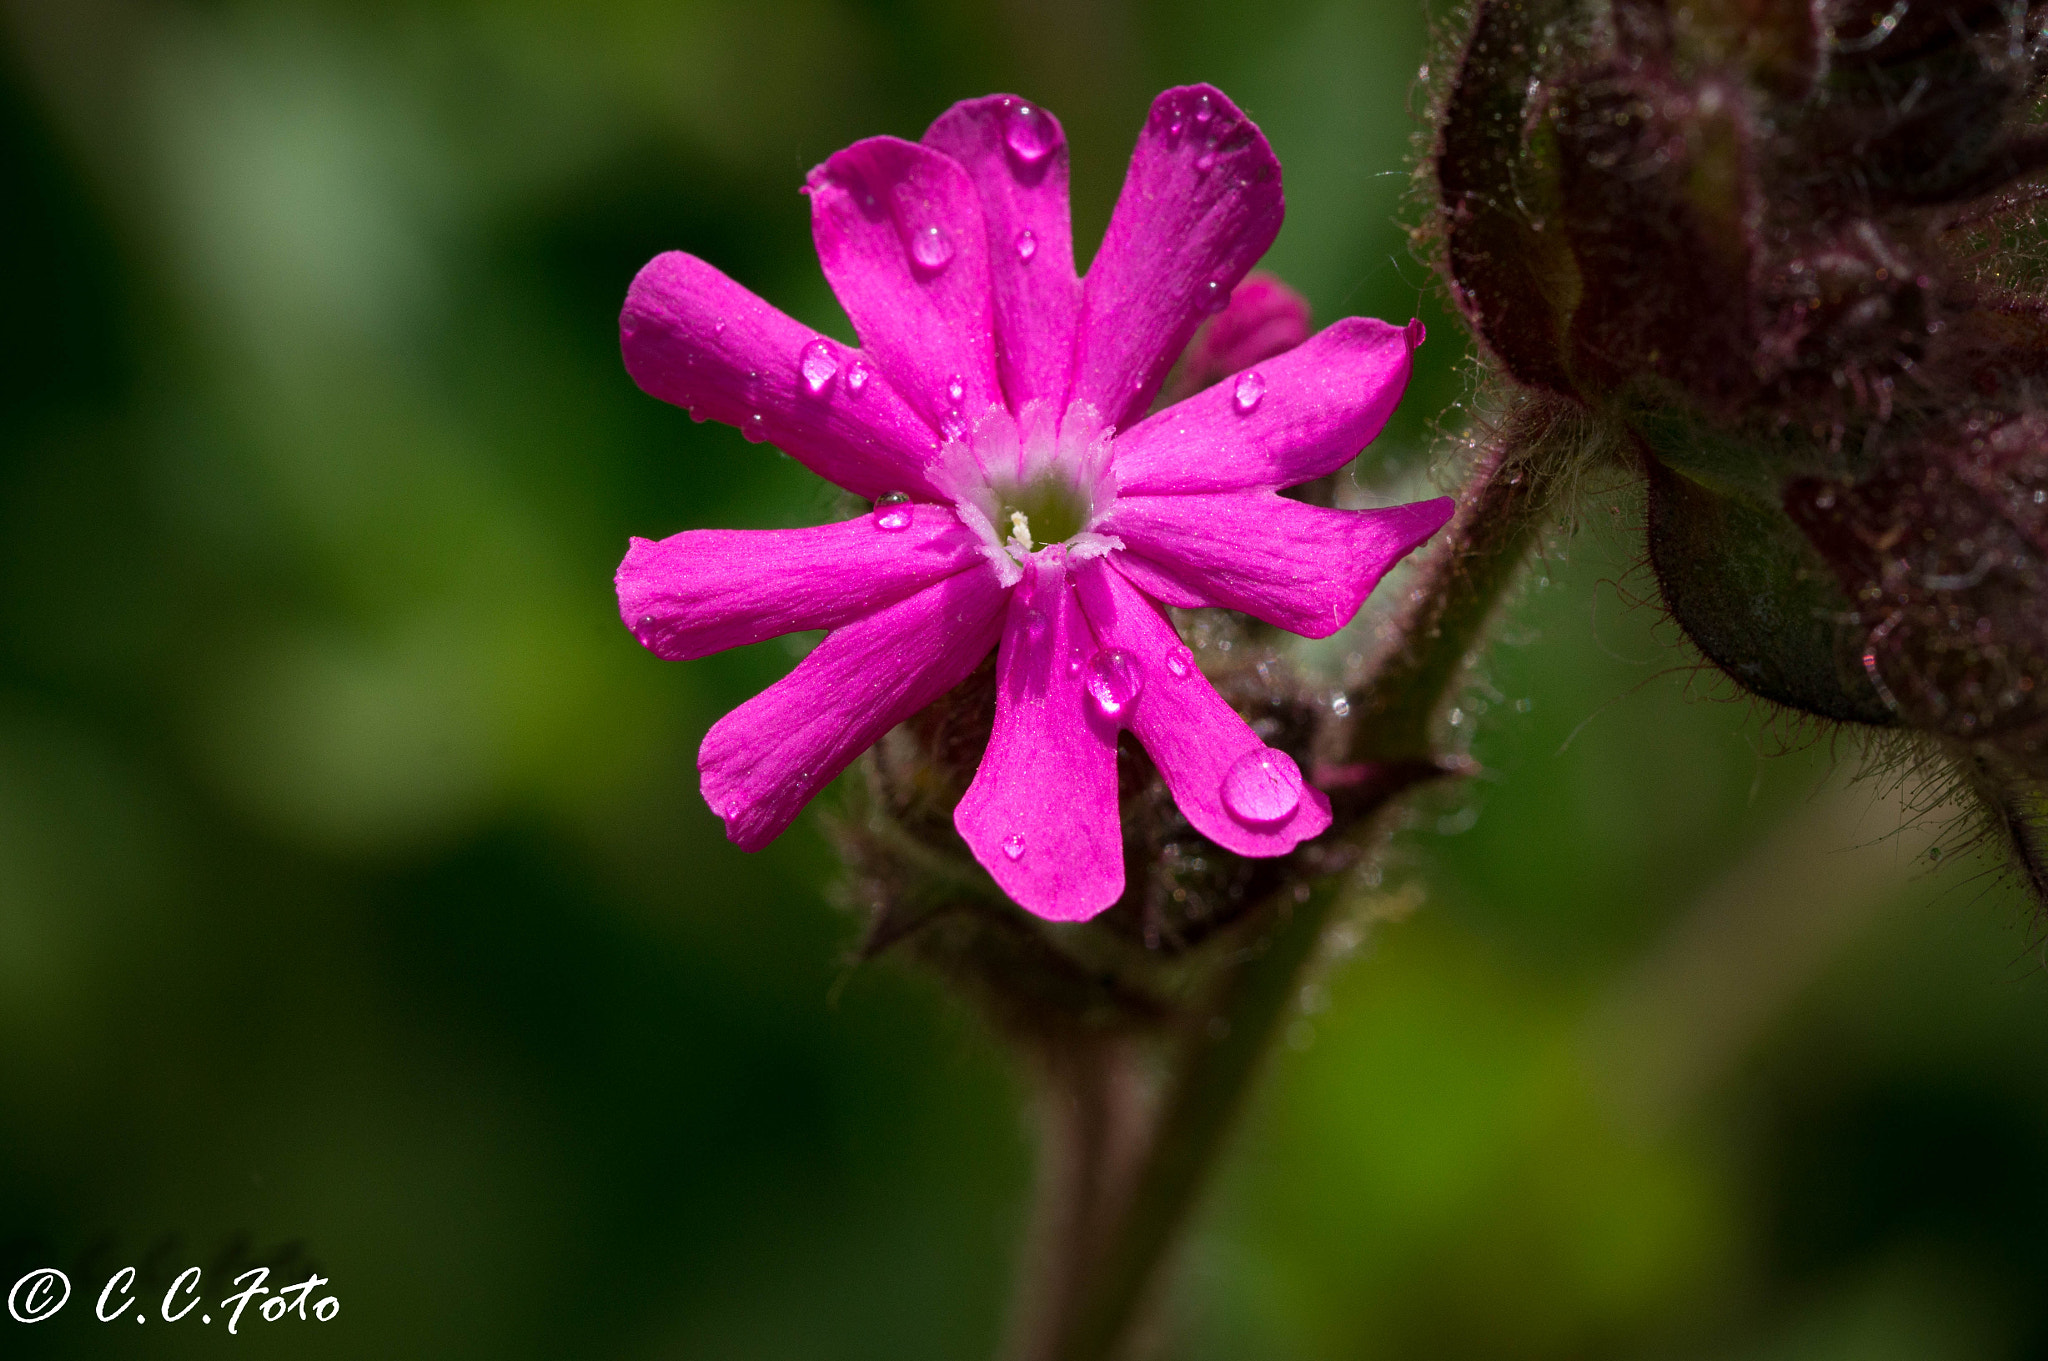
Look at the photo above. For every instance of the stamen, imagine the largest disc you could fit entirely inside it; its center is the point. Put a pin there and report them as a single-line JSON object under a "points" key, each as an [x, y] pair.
{"points": [[1020, 527]]}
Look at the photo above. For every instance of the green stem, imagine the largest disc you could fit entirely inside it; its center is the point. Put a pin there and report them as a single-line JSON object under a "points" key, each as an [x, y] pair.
{"points": [[1507, 504]]}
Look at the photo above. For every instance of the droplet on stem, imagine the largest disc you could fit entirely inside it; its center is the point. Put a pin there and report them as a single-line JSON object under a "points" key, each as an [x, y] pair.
{"points": [[1262, 785]]}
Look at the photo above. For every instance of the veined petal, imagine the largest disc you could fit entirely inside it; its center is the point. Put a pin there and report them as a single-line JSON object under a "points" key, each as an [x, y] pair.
{"points": [[1200, 205], [765, 760], [900, 235], [706, 590], [1314, 408], [1192, 735], [693, 337], [1041, 815], [1298, 567], [1016, 154]]}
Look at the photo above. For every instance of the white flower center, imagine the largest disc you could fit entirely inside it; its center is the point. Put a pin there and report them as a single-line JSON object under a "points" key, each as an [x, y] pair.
{"points": [[1048, 480]]}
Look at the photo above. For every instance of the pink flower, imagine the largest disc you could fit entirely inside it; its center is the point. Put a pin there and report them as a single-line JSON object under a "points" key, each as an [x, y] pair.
{"points": [[996, 415]]}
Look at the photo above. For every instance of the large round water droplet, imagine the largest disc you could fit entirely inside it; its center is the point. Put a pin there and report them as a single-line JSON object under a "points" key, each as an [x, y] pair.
{"points": [[1114, 680], [1180, 661], [1214, 296], [817, 366], [1013, 845], [1027, 245], [1262, 785], [931, 247], [893, 511], [1029, 134], [856, 377], [1251, 389]]}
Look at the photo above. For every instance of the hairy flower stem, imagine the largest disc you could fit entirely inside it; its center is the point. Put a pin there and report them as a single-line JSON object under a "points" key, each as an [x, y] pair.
{"points": [[1213, 1061]]}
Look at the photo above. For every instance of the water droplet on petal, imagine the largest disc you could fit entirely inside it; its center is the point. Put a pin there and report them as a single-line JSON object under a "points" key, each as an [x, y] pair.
{"points": [[1173, 130], [1204, 109], [953, 425], [931, 247], [1215, 297], [1205, 162], [755, 429], [1251, 388], [732, 810], [856, 377], [1029, 134], [1027, 245], [1114, 680], [955, 389], [1262, 785], [1013, 845], [817, 366], [893, 511], [1034, 622], [1180, 661]]}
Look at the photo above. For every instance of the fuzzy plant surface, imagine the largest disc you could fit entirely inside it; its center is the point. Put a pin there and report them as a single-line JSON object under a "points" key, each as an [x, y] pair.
{"points": [[1783, 261]]}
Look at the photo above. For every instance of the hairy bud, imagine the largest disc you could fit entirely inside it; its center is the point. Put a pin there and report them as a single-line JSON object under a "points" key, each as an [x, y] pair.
{"points": [[1776, 248]]}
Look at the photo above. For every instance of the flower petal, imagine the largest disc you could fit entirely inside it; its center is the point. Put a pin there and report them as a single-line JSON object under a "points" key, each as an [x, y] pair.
{"points": [[1298, 567], [765, 760], [1317, 405], [1200, 205], [1192, 735], [693, 337], [1041, 815], [706, 590], [1265, 318], [1016, 154], [900, 236]]}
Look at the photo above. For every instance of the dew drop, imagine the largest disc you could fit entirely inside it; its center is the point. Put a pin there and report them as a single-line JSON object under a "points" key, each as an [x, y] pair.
{"points": [[893, 511], [931, 247], [1180, 661], [953, 425], [1013, 845], [1262, 785], [856, 377], [1114, 680], [817, 366], [1205, 162], [755, 429], [1215, 297], [1029, 134], [955, 389], [1251, 389], [1027, 245], [1204, 109]]}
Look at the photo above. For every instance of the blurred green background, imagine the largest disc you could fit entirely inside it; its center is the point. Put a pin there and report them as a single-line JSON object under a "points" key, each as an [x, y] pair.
{"points": [[358, 913]]}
